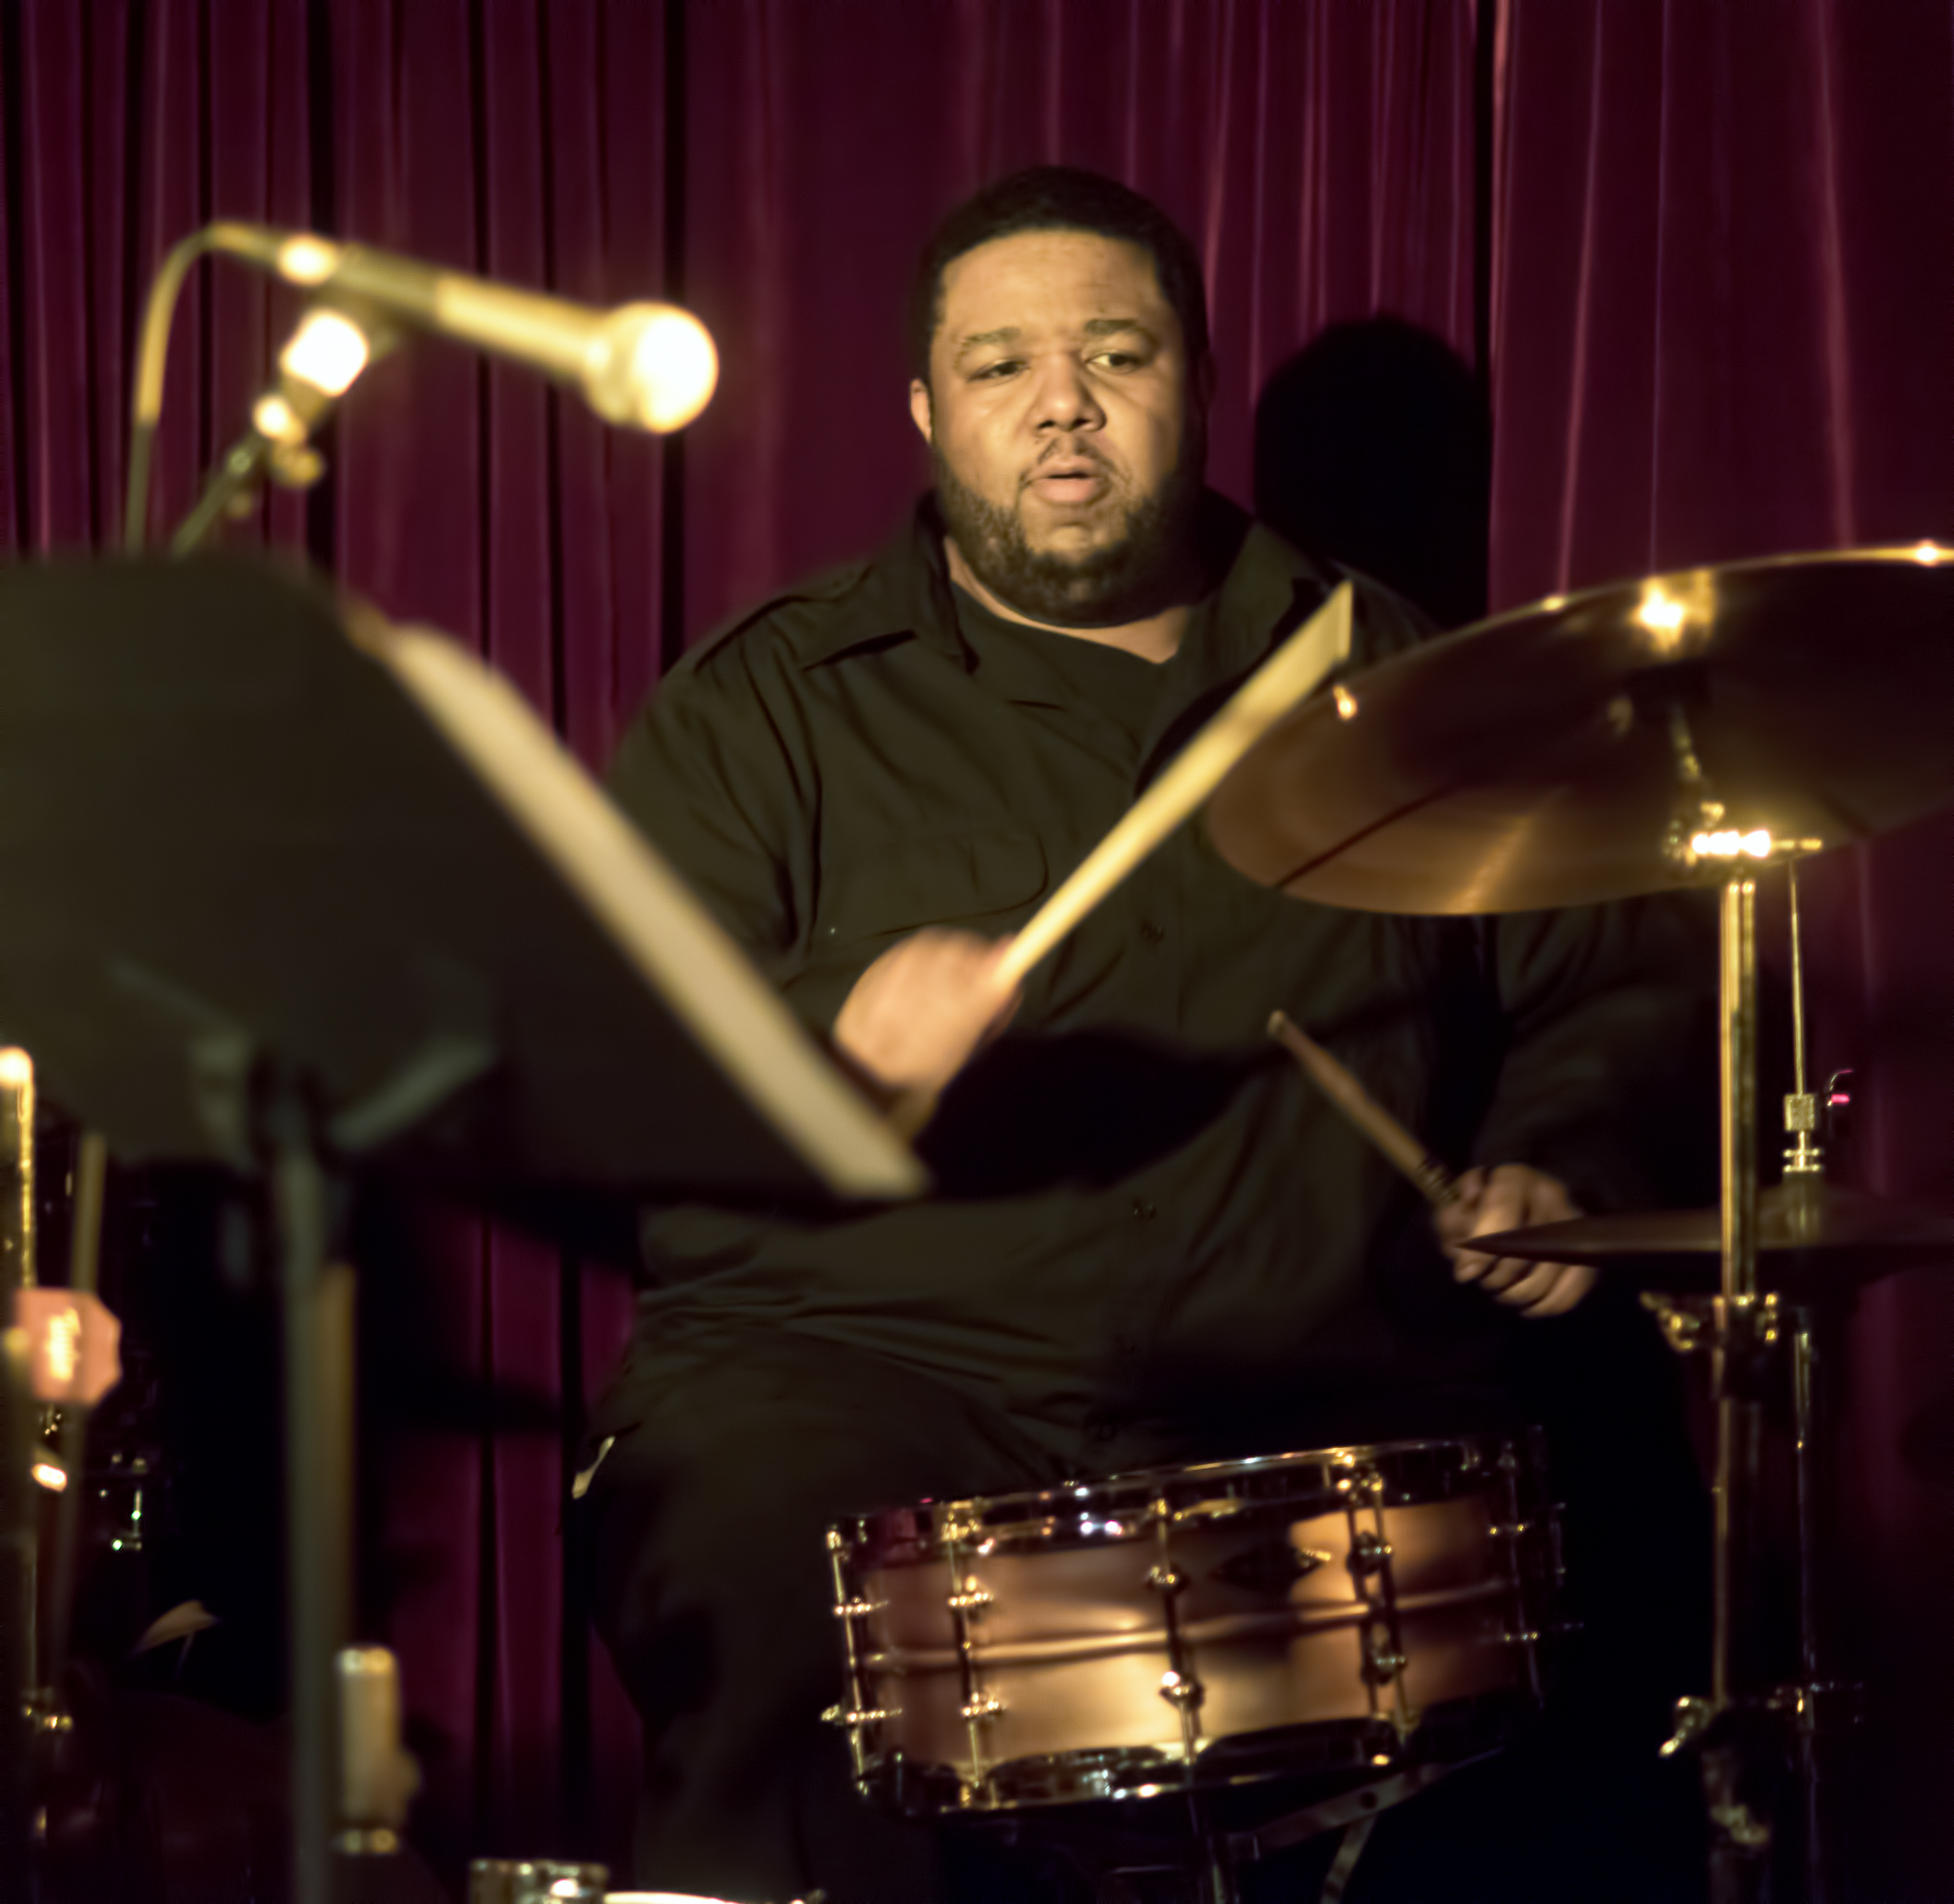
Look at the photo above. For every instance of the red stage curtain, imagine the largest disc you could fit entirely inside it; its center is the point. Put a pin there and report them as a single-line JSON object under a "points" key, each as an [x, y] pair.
{"points": [[1723, 270]]}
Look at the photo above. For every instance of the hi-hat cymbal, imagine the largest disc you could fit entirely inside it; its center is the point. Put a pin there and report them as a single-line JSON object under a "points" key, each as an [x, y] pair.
{"points": [[1811, 1236], [1534, 760]]}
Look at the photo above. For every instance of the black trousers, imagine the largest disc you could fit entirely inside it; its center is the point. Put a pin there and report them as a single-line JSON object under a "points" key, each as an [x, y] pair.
{"points": [[736, 1445]]}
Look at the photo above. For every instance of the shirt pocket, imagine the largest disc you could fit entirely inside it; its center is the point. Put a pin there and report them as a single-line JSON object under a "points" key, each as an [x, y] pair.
{"points": [[969, 880]]}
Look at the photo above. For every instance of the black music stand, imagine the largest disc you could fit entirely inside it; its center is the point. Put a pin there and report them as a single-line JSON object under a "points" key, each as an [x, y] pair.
{"points": [[306, 897]]}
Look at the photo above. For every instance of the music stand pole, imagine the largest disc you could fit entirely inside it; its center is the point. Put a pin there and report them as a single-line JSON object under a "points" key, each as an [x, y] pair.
{"points": [[318, 1303]]}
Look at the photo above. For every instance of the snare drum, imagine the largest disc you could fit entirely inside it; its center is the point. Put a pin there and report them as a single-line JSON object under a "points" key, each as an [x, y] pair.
{"points": [[1193, 1626]]}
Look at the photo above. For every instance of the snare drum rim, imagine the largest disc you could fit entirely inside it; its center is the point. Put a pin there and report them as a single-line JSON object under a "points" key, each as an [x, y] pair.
{"points": [[1124, 1506]]}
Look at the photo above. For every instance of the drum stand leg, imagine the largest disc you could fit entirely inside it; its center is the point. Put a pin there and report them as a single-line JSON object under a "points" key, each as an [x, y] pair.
{"points": [[1214, 1872]]}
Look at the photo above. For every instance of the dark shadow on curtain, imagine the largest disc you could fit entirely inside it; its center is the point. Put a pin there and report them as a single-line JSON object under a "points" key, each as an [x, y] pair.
{"points": [[1373, 449]]}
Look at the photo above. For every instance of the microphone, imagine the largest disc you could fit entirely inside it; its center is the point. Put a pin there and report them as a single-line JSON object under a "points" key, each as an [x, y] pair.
{"points": [[650, 365]]}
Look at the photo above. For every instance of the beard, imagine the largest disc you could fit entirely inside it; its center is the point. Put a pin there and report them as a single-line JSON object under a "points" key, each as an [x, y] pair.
{"points": [[1144, 569]]}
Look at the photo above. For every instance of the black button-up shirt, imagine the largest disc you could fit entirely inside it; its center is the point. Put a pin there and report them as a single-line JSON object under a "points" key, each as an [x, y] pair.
{"points": [[1146, 1212]]}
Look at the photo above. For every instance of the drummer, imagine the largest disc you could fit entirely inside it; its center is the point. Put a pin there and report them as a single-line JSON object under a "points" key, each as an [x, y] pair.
{"points": [[1154, 1240]]}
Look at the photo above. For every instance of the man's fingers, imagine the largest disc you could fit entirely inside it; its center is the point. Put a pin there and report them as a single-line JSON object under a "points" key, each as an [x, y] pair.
{"points": [[1500, 1204], [1534, 1284], [1576, 1279], [916, 1014], [1512, 1196], [1505, 1273]]}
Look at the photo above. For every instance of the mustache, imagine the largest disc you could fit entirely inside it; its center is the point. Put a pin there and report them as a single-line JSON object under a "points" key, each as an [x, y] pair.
{"points": [[1060, 450]]}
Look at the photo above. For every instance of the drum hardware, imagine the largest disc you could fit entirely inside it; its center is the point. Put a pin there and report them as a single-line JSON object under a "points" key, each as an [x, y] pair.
{"points": [[1816, 1242], [965, 1600], [856, 1714], [1370, 1556], [1180, 1685], [1518, 1535], [1099, 1600], [1169, 1585]]}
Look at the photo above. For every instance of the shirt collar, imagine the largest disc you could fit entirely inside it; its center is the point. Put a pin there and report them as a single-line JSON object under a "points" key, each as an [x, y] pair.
{"points": [[904, 592]]}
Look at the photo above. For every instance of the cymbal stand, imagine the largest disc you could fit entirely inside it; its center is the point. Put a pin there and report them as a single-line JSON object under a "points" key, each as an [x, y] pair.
{"points": [[1740, 1728], [1743, 1330]]}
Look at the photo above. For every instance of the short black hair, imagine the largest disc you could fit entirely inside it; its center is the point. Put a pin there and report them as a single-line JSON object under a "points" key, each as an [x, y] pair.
{"points": [[1059, 198]]}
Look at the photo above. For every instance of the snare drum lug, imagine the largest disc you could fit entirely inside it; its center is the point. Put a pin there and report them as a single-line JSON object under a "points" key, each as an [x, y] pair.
{"points": [[970, 1600], [1682, 1325], [1368, 1551], [1168, 1580], [854, 1717], [1181, 1691], [982, 1708], [858, 1609], [1693, 1718]]}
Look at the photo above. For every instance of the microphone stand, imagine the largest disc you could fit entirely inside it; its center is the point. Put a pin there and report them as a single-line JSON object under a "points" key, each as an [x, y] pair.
{"points": [[323, 359], [233, 486]]}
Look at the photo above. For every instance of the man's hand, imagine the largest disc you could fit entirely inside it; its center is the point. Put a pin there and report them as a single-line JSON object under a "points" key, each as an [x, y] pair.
{"points": [[1512, 1196], [916, 1015]]}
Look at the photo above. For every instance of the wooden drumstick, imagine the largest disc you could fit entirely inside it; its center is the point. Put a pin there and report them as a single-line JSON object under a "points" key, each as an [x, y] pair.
{"points": [[1435, 1182], [1286, 678]]}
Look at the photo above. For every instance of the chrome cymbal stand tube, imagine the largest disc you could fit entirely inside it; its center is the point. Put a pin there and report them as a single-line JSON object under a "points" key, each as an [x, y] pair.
{"points": [[1737, 1731], [1742, 1728], [1745, 1329]]}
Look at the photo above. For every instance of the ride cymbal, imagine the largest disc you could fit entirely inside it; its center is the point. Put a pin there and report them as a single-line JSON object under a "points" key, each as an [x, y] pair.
{"points": [[1544, 757]]}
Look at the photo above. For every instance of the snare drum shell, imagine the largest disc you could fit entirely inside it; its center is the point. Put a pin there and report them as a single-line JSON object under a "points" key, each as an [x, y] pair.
{"points": [[1063, 1634], [1074, 1643]]}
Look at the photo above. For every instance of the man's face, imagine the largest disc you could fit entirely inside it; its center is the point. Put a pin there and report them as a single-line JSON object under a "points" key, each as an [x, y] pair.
{"points": [[1064, 424]]}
